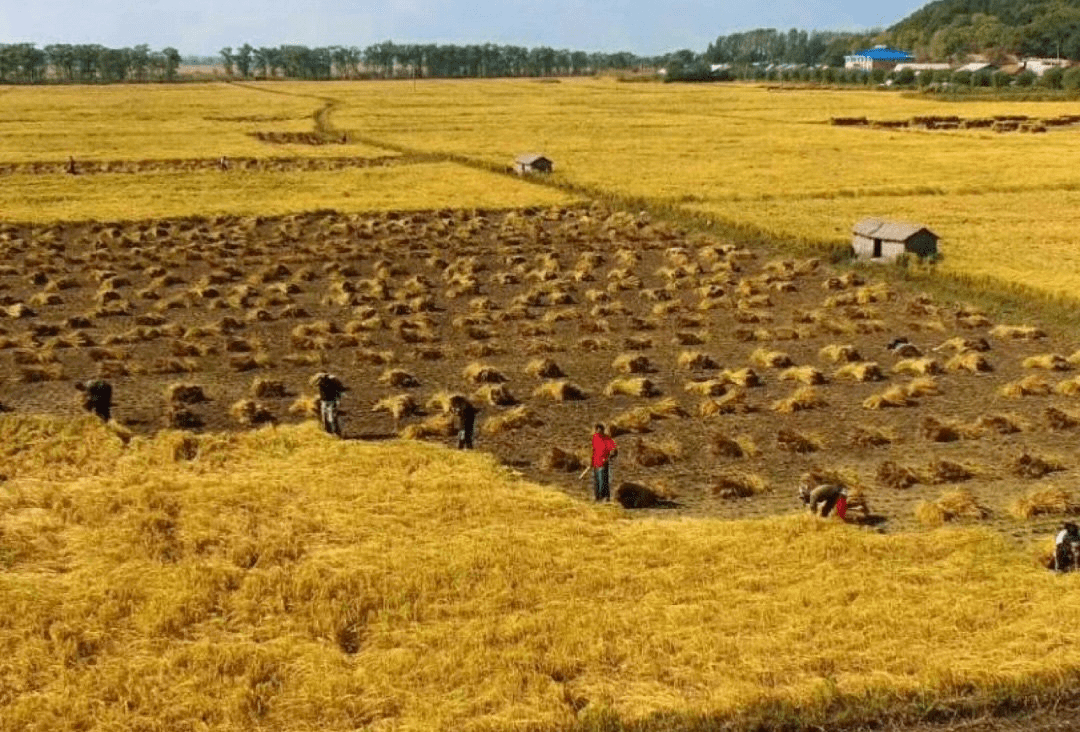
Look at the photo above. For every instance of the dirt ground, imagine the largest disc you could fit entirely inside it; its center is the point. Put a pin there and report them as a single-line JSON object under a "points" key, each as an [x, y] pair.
{"points": [[220, 303]]}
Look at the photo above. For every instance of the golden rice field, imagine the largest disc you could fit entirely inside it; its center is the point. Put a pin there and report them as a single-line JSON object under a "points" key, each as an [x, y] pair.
{"points": [[748, 155], [165, 194], [741, 154], [254, 580], [122, 122], [276, 579]]}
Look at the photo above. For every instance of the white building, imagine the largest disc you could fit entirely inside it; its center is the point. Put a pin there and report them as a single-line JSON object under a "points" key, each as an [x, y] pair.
{"points": [[918, 68], [1041, 65]]}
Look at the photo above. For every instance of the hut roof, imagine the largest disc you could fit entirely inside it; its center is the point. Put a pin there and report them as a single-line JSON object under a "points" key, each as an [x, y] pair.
{"points": [[881, 53], [886, 230], [530, 158]]}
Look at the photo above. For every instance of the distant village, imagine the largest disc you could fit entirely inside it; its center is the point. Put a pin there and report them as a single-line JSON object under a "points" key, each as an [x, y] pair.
{"points": [[890, 66]]}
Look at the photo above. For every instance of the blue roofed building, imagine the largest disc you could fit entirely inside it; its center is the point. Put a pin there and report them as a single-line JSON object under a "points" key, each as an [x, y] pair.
{"points": [[878, 57]]}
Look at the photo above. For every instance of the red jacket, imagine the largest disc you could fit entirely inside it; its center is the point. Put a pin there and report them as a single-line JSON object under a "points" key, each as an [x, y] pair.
{"points": [[602, 448]]}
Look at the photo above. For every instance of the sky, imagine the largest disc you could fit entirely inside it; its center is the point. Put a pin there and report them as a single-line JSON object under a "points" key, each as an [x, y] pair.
{"points": [[644, 27]]}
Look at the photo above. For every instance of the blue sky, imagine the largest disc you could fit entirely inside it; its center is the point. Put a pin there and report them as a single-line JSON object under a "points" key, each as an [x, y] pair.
{"points": [[645, 27]]}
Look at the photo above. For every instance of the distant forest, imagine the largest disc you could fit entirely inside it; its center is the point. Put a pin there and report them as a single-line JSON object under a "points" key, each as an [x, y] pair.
{"points": [[945, 30], [25, 63], [952, 29]]}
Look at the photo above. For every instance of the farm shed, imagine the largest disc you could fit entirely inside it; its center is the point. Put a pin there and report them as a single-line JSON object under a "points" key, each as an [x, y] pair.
{"points": [[885, 240], [533, 163]]}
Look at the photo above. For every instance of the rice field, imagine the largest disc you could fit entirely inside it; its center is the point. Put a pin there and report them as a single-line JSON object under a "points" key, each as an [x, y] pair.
{"points": [[227, 582], [185, 567], [770, 159], [125, 122], [746, 155], [169, 194]]}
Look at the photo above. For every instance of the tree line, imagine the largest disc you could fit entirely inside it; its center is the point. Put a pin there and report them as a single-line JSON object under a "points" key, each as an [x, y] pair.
{"points": [[946, 30], [25, 63], [393, 60], [770, 46]]}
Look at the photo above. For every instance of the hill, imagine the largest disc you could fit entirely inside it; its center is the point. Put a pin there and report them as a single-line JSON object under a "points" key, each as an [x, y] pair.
{"points": [[995, 28]]}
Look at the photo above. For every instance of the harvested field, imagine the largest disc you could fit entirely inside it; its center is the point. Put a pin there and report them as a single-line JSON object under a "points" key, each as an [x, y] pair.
{"points": [[339, 292], [401, 258]]}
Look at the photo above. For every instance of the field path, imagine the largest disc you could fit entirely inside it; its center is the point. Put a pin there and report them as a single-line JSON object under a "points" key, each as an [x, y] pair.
{"points": [[321, 116], [325, 128]]}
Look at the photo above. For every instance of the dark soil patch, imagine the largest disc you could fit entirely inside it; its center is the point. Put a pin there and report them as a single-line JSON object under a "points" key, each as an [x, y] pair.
{"points": [[232, 299]]}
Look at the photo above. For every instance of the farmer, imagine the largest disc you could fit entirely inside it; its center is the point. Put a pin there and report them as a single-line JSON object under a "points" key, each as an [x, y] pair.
{"points": [[223, 163], [97, 397], [1066, 547], [603, 450], [330, 391], [828, 496], [71, 166], [464, 421]]}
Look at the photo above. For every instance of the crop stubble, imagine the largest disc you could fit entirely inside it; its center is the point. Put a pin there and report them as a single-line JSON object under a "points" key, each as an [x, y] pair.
{"points": [[421, 303]]}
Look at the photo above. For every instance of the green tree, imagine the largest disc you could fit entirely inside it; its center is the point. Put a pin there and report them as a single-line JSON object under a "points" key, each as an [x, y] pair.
{"points": [[86, 61], [243, 60], [961, 78], [140, 62], [227, 60], [1051, 78], [62, 58], [904, 77], [112, 64], [1070, 80], [172, 62], [261, 60]]}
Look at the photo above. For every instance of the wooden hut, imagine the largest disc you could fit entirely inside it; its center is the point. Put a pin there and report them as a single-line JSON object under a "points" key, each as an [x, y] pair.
{"points": [[533, 163], [884, 240]]}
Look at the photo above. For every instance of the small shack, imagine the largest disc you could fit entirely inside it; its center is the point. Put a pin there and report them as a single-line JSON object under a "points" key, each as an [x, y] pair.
{"points": [[884, 240], [533, 163]]}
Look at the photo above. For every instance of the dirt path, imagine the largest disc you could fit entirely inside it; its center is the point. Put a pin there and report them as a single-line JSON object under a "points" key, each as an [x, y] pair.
{"points": [[323, 127]]}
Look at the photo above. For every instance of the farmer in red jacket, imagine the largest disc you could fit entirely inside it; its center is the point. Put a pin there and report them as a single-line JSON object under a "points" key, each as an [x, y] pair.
{"points": [[603, 450]]}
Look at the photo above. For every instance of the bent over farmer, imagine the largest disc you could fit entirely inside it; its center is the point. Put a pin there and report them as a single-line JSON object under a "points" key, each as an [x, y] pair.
{"points": [[97, 397], [603, 450], [826, 496], [1066, 547]]}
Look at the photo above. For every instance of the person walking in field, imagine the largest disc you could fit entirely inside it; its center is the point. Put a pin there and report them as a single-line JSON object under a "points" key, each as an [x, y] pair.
{"points": [[603, 450], [464, 421], [330, 392], [1066, 548], [97, 397]]}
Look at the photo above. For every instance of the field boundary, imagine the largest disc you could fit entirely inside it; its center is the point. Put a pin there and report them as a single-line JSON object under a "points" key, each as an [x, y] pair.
{"points": [[225, 165]]}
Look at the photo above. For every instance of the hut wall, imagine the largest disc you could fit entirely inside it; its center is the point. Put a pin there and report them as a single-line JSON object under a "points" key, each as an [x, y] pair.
{"points": [[890, 250], [863, 246]]}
